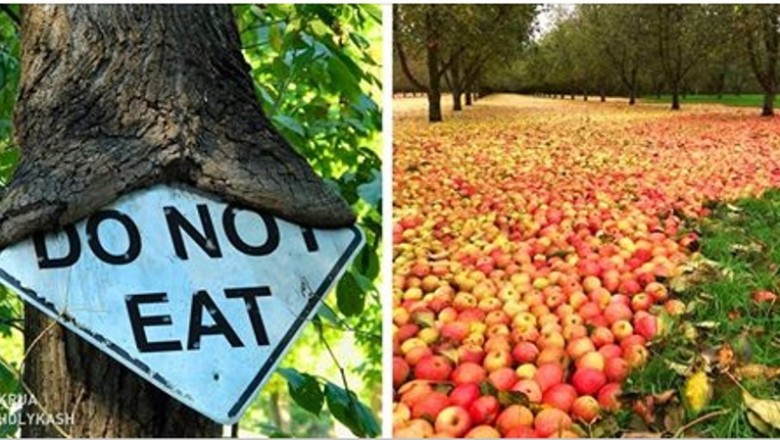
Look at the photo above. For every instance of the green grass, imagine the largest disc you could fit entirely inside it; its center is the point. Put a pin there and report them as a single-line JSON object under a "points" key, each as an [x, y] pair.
{"points": [[745, 100], [742, 239]]}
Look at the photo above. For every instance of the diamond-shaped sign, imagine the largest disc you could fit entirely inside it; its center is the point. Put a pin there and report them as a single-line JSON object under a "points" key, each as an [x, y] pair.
{"points": [[197, 296]]}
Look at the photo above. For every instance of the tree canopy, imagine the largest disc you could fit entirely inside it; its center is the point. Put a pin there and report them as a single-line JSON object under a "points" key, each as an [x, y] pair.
{"points": [[628, 50]]}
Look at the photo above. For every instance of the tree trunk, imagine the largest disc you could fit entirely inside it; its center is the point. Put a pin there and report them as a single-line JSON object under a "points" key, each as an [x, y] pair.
{"points": [[113, 99], [768, 109], [675, 96], [105, 83], [632, 88], [457, 101], [457, 91], [468, 98], [584, 95], [434, 79]]}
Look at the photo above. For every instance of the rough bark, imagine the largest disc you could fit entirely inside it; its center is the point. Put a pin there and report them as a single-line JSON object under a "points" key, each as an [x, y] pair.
{"points": [[67, 375], [434, 74], [116, 98]]}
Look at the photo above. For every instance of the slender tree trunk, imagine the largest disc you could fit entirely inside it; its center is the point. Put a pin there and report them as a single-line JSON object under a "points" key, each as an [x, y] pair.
{"points": [[675, 96], [457, 101], [632, 89], [603, 95], [768, 109], [468, 98], [434, 78], [155, 93], [572, 96], [585, 95], [457, 91]]}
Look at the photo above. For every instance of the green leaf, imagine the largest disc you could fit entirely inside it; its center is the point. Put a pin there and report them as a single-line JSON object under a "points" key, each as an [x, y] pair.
{"points": [[371, 192], [327, 313], [289, 124], [351, 298], [353, 414], [508, 398], [304, 389]]}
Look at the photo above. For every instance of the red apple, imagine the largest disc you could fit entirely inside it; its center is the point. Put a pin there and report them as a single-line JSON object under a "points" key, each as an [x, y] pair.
{"points": [[497, 359], [503, 379], [453, 421], [514, 416], [636, 355], [588, 380], [430, 406], [471, 353], [585, 408], [455, 330], [578, 347], [400, 371], [525, 352], [646, 326], [483, 431], [464, 395], [602, 336], [611, 351], [530, 388], [521, 432], [560, 396], [616, 369], [593, 360], [622, 329], [551, 421], [608, 397], [484, 410], [548, 375], [616, 312], [641, 301], [468, 372], [436, 368]]}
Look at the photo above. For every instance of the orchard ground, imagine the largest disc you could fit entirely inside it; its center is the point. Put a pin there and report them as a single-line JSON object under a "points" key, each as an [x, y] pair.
{"points": [[585, 269]]}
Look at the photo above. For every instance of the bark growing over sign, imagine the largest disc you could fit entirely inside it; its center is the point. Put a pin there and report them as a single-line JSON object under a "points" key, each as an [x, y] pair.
{"points": [[113, 99], [118, 98]]}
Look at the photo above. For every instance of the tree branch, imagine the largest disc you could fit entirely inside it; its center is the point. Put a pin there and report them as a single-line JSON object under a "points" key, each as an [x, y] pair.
{"points": [[11, 14]]}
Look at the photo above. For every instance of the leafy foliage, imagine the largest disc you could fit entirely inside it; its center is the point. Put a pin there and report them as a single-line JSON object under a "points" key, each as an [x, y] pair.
{"points": [[317, 77]]}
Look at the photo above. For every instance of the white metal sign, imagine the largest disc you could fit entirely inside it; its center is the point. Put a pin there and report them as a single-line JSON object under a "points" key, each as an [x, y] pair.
{"points": [[195, 295]]}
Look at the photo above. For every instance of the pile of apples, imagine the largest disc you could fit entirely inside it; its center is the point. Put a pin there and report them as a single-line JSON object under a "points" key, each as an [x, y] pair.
{"points": [[529, 274]]}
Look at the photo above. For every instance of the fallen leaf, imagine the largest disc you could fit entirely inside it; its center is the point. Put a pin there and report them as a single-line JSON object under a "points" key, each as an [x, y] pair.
{"points": [[673, 420], [678, 368], [754, 371], [725, 357], [763, 296], [664, 397], [760, 425], [642, 435], [697, 392], [767, 410]]}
